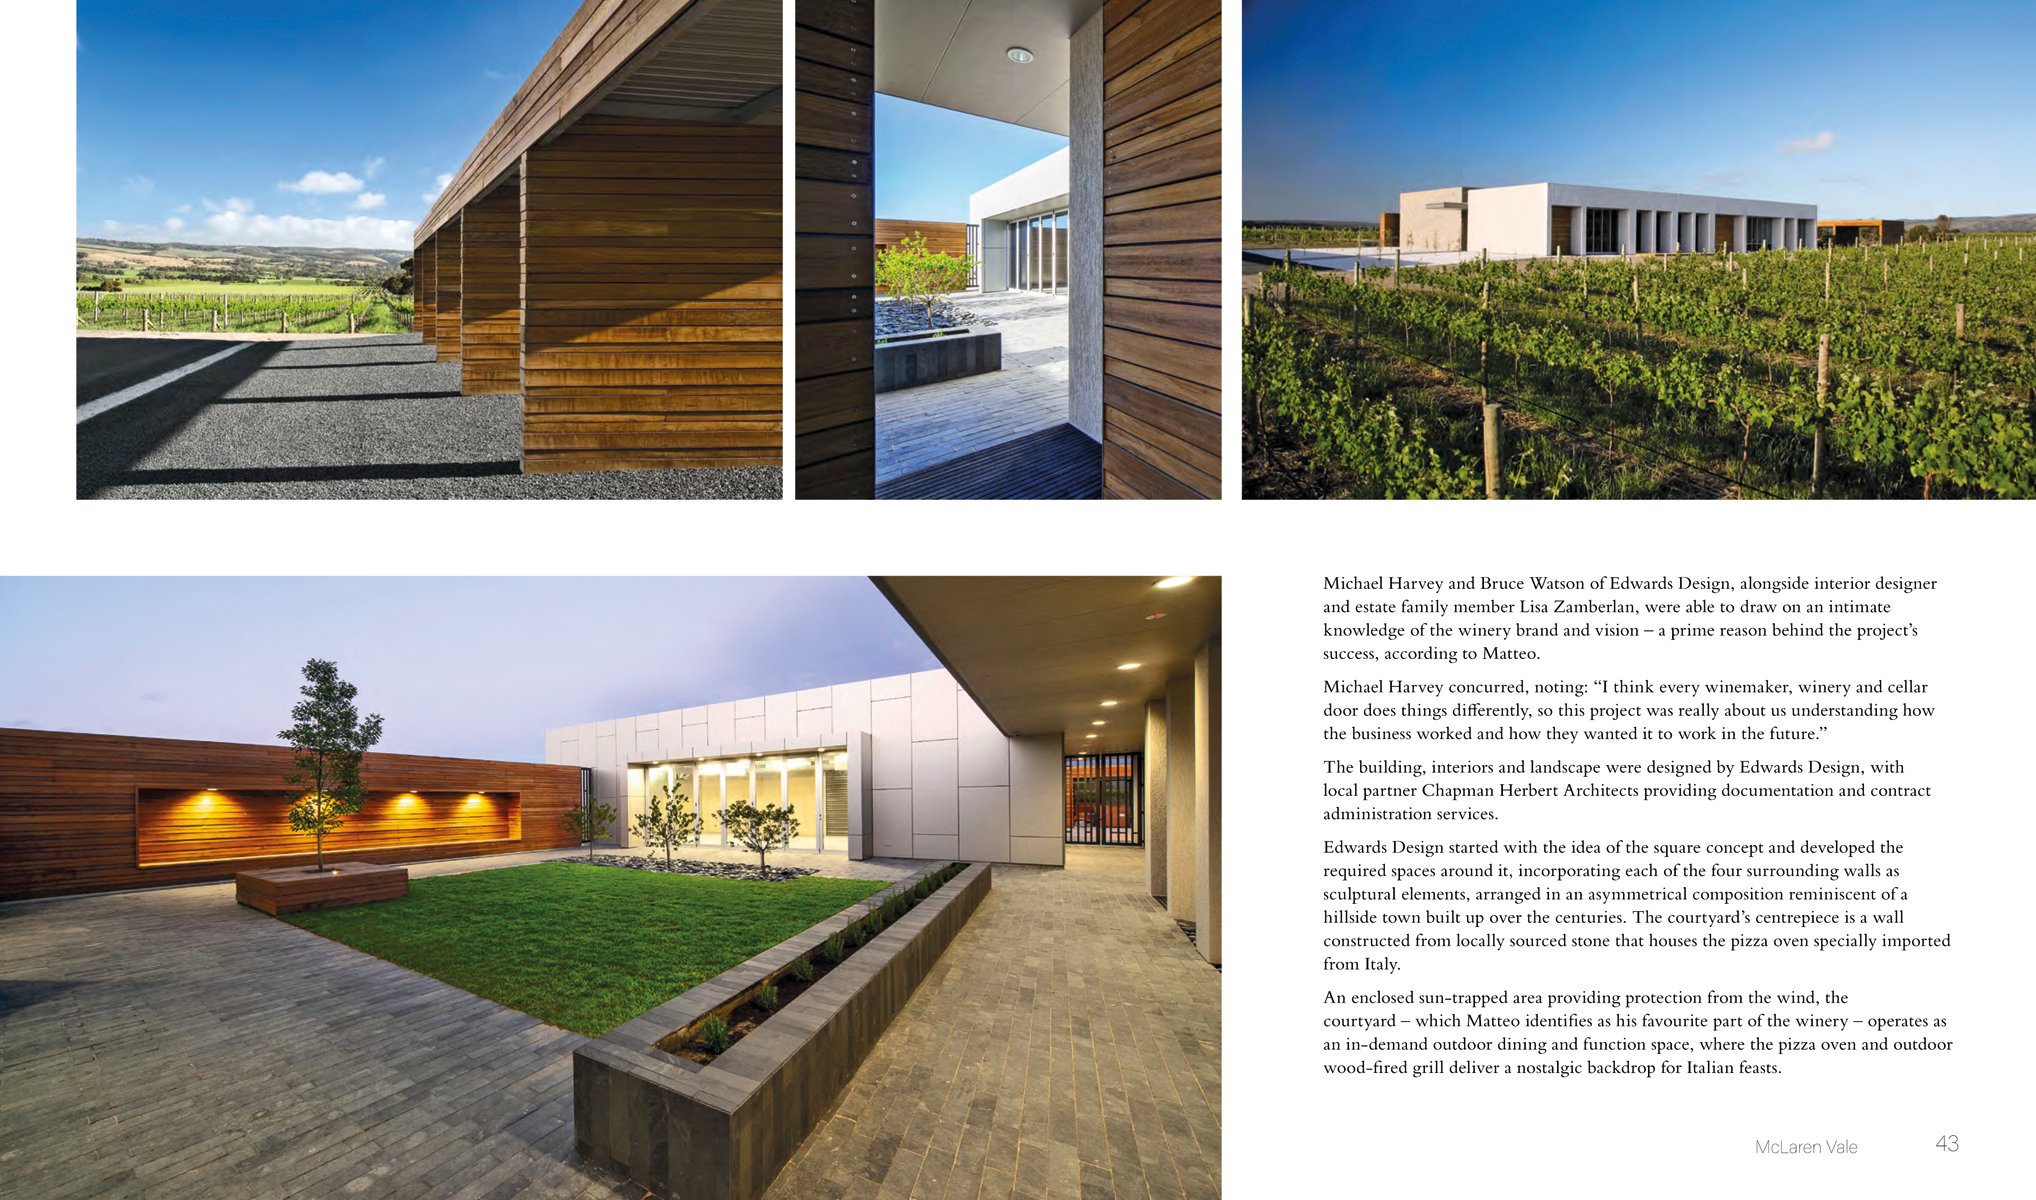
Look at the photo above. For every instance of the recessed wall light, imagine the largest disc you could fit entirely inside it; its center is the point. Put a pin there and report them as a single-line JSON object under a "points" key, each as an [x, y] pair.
{"points": [[1129, 666], [1019, 55], [1109, 704], [1174, 581]]}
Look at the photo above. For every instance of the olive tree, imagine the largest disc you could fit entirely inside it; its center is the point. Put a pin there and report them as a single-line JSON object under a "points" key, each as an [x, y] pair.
{"points": [[761, 828], [589, 819], [667, 820], [328, 736], [910, 271]]}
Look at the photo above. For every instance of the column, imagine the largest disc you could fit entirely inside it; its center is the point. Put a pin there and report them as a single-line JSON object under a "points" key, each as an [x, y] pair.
{"points": [[653, 296], [1739, 233], [491, 281], [1579, 217], [1155, 799], [1180, 798], [1629, 226], [1085, 229], [820, 799], [1209, 801], [447, 326], [424, 290]]}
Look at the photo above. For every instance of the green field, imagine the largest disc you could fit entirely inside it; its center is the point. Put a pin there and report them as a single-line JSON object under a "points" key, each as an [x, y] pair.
{"points": [[581, 946], [238, 309], [1280, 236]]}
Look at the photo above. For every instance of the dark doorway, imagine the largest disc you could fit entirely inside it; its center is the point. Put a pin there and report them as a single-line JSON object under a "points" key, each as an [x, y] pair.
{"points": [[1105, 799]]}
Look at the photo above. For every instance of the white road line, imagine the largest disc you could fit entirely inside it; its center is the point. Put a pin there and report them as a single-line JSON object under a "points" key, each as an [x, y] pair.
{"points": [[110, 402]]}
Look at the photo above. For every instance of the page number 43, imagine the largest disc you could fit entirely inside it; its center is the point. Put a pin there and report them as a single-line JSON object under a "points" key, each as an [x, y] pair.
{"points": [[1948, 1143]]}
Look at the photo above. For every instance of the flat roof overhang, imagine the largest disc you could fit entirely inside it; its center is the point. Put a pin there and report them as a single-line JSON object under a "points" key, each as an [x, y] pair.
{"points": [[1039, 655], [681, 60], [954, 55]]}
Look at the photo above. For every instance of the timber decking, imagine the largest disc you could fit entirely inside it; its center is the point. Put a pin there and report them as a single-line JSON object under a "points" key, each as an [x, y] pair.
{"points": [[491, 281], [446, 293], [280, 890], [69, 821], [1162, 248], [835, 214], [652, 297], [1061, 463]]}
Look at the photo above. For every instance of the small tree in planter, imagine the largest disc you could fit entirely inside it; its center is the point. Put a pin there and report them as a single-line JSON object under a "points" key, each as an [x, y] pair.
{"points": [[667, 821], [329, 737], [590, 818], [910, 271], [761, 828]]}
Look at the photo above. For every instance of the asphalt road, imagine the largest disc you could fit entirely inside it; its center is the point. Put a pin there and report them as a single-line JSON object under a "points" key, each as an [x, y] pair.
{"points": [[311, 419]]}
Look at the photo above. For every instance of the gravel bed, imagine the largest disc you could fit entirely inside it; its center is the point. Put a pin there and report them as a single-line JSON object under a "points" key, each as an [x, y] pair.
{"points": [[693, 866], [897, 318]]}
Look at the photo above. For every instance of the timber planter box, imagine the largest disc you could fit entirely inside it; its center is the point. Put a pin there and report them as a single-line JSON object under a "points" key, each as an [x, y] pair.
{"points": [[722, 1130], [280, 890], [937, 357]]}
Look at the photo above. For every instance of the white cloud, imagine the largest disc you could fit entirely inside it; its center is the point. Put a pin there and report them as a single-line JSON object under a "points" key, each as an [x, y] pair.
{"points": [[138, 185], [233, 204], [1824, 140], [368, 200], [174, 224], [260, 229], [373, 167], [324, 183], [183, 208], [431, 197]]}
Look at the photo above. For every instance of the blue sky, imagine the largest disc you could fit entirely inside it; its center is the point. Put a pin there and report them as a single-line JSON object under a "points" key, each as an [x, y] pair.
{"points": [[1863, 108], [289, 124], [929, 159], [461, 667]]}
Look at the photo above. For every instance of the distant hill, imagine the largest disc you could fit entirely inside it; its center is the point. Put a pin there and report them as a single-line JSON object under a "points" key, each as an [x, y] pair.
{"points": [[2012, 223], [233, 264]]}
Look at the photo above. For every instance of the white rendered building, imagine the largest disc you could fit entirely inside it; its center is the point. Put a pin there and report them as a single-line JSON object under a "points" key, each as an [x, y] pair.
{"points": [[904, 767], [1535, 219], [1023, 219]]}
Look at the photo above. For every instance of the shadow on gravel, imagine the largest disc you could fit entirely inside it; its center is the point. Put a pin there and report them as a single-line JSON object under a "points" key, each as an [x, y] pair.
{"points": [[443, 470], [348, 398], [112, 442]]}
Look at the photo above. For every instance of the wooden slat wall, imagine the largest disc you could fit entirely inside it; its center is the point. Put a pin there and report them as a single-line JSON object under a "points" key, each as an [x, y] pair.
{"points": [[446, 310], [835, 214], [1559, 230], [178, 825], [942, 237], [1162, 248], [653, 294], [602, 38], [424, 290], [68, 802], [491, 283]]}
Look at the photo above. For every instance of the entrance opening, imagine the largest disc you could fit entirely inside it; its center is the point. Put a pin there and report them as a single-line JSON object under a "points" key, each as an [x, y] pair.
{"points": [[1105, 799], [1601, 231]]}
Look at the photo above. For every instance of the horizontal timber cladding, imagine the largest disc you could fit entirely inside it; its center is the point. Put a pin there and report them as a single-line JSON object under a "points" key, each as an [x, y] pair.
{"points": [[446, 310], [835, 224], [491, 280], [1559, 230], [424, 290], [942, 237], [653, 297], [1162, 249], [73, 807]]}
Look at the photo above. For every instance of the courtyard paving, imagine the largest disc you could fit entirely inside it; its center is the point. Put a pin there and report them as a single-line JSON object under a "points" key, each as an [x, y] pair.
{"points": [[170, 1043], [919, 427]]}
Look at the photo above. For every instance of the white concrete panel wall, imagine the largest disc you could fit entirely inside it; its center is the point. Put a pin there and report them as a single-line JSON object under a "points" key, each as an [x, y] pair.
{"points": [[1028, 187], [1508, 220], [941, 780], [1514, 220]]}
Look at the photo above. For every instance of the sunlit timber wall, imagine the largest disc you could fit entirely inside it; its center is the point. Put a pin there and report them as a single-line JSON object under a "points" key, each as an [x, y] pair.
{"points": [[628, 281], [89, 812], [1162, 94], [943, 783], [1184, 799]]}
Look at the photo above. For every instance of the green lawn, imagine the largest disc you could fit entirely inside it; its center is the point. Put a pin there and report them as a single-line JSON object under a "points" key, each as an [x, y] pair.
{"points": [[583, 947]]}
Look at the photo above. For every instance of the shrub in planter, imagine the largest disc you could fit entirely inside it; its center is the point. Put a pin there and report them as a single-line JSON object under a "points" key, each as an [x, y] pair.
{"points": [[802, 969], [767, 997], [856, 932], [833, 950], [714, 1034]]}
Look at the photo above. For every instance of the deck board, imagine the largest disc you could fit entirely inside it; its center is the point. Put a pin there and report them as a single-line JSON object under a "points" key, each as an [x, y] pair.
{"points": [[1061, 463]]}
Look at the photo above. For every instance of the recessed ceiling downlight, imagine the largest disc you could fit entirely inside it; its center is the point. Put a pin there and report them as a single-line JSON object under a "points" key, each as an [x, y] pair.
{"points": [[1018, 54], [1174, 581]]}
